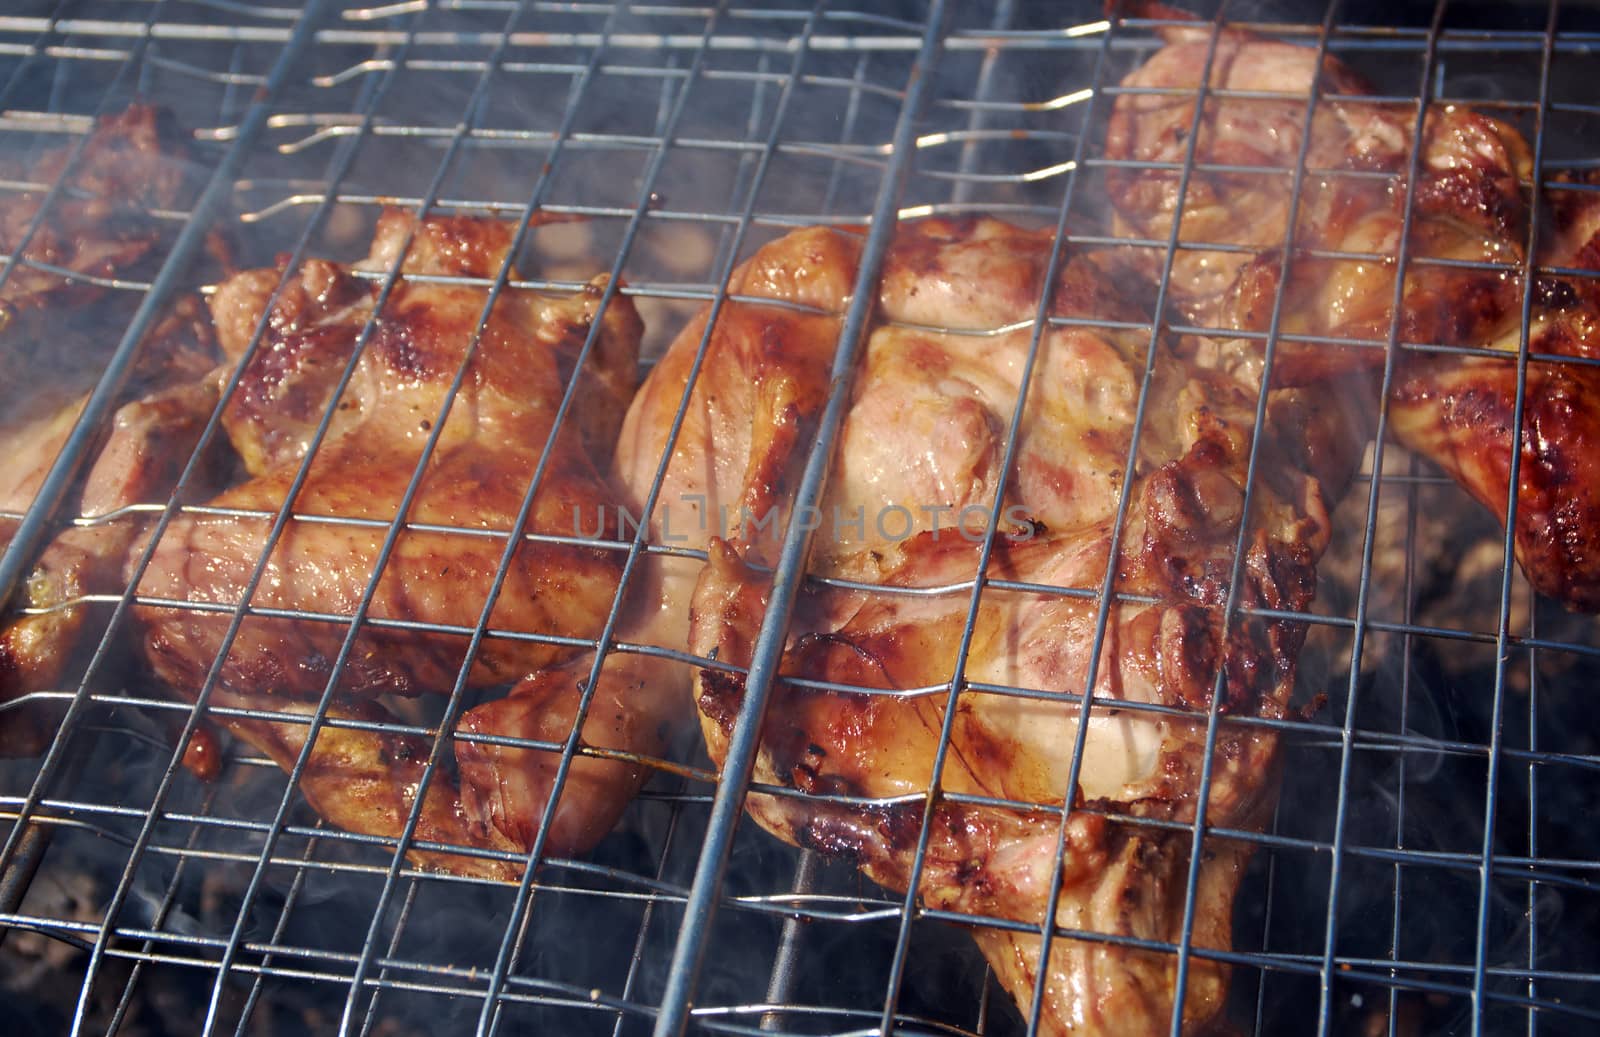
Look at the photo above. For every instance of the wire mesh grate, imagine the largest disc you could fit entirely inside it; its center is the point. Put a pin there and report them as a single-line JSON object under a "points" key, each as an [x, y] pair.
{"points": [[1429, 868]]}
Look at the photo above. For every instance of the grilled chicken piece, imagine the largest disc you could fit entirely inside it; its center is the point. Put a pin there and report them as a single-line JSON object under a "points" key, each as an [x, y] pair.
{"points": [[56, 330], [1468, 205], [474, 484], [136, 462], [917, 467], [1470, 202], [101, 224], [1229, 208], [1459, 413]]}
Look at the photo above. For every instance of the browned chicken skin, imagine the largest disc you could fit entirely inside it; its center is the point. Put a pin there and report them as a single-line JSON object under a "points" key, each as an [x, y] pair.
{"points": [[925, 430], [54, 340], [1470, 202], [137, 463], [475, 481], [101, 223], [52, 344]]}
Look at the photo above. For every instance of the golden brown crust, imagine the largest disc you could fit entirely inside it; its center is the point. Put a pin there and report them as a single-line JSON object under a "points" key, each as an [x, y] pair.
{"points": [[138, 461], [476, 478], [101, 223], [1470, 203], [1460, 414], [499, 422], [928, 412]]}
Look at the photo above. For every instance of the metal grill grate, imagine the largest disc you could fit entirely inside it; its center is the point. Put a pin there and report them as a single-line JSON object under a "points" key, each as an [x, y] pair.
{"points": [[1431, 868]]}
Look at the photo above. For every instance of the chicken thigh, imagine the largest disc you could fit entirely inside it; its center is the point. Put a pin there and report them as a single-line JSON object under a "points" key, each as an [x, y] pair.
{"points": [[1470, 204], [917, 467], [434, 585]]}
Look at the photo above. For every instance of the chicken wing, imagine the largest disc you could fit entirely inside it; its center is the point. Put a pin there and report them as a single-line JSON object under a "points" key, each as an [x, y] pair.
{"points": [[918, 464], [435, 583]]}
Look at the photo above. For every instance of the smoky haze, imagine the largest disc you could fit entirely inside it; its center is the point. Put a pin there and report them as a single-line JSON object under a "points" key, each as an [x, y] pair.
{"points": [[596, 944]]}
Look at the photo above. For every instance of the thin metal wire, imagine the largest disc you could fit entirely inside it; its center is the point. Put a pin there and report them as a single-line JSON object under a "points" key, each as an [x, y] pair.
{"points": [[1532, 900], [1407, 647], [170, 896], [1313, 732], [1546, 869], [1269, 899], [297, 886], [370, 1018], [515, 931], [1508, 574], [391, 537], [901, 35], [958, 677], [1379, 970], [739, 760], [630, 984], [1369, 531]]}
